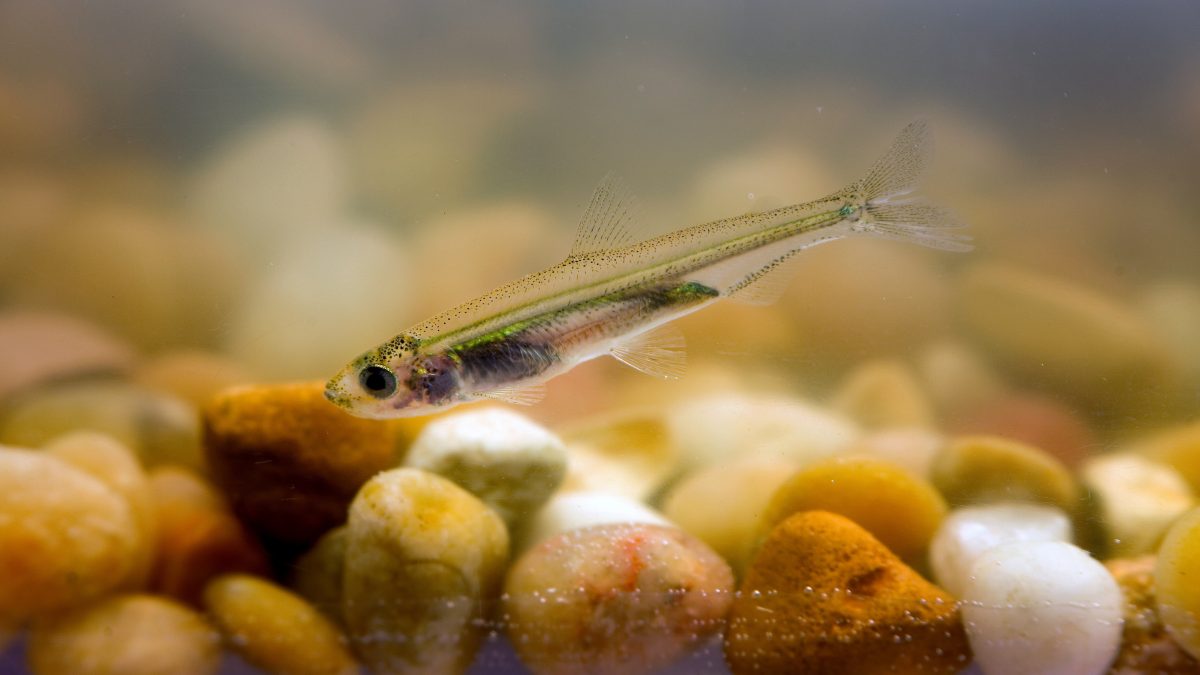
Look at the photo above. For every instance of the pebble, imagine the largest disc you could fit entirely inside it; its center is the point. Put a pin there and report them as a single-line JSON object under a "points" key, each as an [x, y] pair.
{"points": [[161, 429], [66, 537], [191, 375], [292, 324], [824, 596], [901, 301], [1173, 308], [568, 511], [896, 507], [627, 453], [509, 462], [1138, 499], [1042, 607], [288, 460], [115, 465], [883, 394], [1175, 582], [144, 277], [124, 635], [623, 598], [957, 378], [424, 559], [983, 469], [1036, 420], [275, 630], [1178, 447], [317, 575], [420, 146], [274, 182], [1145, 645], [198, 537], [910, 449], [728, 525], [970, 531], [755, 179], [716, 427], [37, 347], [1072, 337], [498, 242]]}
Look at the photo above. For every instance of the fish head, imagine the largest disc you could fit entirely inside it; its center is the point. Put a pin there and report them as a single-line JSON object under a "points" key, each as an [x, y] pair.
{"points": [[396, 380]]}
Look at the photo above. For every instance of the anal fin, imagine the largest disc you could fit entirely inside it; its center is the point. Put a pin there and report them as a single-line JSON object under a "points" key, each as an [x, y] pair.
{"points": [[517, 395], [661, 352], [767, 284]]}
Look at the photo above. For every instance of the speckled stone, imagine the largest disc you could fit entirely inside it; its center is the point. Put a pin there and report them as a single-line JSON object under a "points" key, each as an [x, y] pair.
{"points": [[1145, 645], [123, 635], [424, 560], [289, 461], [824, 596], [624, 598]]}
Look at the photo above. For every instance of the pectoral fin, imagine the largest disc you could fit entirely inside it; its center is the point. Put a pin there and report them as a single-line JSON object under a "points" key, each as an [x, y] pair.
{"points": [[526, 395], [661, 352]]}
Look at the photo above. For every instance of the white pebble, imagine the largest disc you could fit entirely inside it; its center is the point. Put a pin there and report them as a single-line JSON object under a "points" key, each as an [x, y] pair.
{"points": [[724, 426], [1042, 607], [510, 463], [573, 510], [970, 532], [1139, 499]]}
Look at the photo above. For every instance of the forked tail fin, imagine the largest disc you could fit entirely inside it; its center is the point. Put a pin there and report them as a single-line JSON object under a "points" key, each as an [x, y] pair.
{"points": [[889, 207]]}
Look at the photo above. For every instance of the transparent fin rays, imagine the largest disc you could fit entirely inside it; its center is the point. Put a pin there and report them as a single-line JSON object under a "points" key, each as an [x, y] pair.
{"points": [[661, 352]]}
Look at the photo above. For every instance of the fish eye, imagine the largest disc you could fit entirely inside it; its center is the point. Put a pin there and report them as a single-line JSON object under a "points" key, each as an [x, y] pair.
{"points": [[378, 381]]}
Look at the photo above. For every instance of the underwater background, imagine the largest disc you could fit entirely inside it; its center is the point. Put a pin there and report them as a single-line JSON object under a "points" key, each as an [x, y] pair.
{"points": [[196, 194]]}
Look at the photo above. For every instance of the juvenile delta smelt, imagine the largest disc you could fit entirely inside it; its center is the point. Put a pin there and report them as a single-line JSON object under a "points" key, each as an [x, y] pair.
{"points": [[613, 296]]}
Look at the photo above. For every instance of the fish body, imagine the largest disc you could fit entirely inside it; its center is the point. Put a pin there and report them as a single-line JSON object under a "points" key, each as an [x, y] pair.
{"points": [[614, 296]]}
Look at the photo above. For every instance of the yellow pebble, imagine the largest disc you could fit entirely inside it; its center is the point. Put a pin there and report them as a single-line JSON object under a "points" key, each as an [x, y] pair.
{"points": [[985, 469], [124, 635], [1175, 582], [275, 629], [895, 506]]}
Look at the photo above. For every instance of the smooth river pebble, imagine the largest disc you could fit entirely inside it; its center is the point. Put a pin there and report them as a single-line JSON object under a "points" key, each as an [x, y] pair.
{"points": [[501, 457], [424, 559], [626, 598], [1042, 607], [1138, 499], [66, 537], [126, 635], [276, 630], [1175, 581], [971, 531]]}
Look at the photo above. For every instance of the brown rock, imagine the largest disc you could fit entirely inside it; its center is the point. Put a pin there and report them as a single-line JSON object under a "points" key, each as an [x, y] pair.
{"points": [[198, 537], [38, 347], [289, 461], [1145, 645], [824, 596], [1040, 421]]}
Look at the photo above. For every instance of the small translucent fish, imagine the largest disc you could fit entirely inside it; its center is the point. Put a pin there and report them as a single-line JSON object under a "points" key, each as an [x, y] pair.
{"points": [[614, 296]]}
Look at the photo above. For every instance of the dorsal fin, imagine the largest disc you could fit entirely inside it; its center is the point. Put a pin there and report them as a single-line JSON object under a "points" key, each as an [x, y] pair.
{"points": [[609, 220], [661, 352]]}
